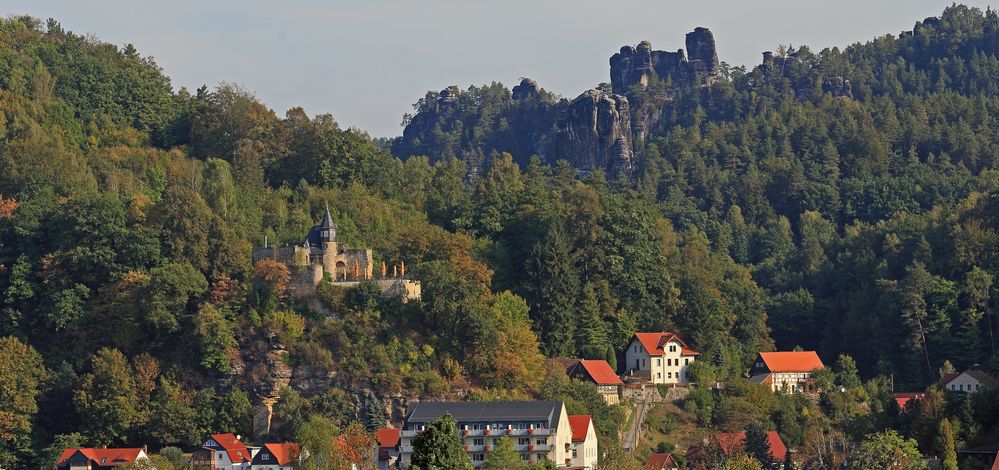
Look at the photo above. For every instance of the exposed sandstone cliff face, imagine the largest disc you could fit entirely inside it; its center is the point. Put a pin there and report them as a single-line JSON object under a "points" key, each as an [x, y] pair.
{"points": [[641, 64], [594, 132]]}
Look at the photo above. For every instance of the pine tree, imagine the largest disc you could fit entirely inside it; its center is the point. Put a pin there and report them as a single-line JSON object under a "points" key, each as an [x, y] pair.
{"points": [[556, 288], [438, 447], [757, 445], [945, 445], [503, 457], [374, 415], [591, 332]]}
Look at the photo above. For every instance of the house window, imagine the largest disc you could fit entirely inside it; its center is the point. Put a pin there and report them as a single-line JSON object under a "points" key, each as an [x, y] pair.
{"points": [[659, 375], [669, 375], [961, 387], [686, 361], [672, 348], [479, 457], [524, 441], [525, 456], [657, 362], [478, 441], [573, 453]]}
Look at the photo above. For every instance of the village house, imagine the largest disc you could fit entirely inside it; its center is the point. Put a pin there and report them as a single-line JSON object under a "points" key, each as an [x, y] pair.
{"points": [[661, 462], [906, 401], [81, 458], [283, 456], [732, 442], [660, 358], [388, 447], [786, 371], [584, 442], [969, 381], [539, 429], [223, 452], [600, 373]]}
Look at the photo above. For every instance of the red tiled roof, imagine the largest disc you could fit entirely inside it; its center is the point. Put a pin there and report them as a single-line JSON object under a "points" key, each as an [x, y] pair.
{"points": [[580, 425], [950, 376], [600, 371], [284, 453], [237, 450], [103, 457], [660, 461], [388, 437], [654, 342], [792, 361], [904, 399], [733, 440]]}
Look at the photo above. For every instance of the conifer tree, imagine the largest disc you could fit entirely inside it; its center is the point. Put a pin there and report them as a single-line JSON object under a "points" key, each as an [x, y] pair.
{"points": [[757, 445], [591, 332], [555, 291], [945, 445]]}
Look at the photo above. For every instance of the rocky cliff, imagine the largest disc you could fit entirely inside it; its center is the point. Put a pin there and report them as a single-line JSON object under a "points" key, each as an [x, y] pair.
{"points": [[594, 132], [641, 64]]}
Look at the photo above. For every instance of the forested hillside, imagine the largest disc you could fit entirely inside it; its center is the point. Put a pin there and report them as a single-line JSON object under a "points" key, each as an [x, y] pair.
{"points": [[844, 200]]}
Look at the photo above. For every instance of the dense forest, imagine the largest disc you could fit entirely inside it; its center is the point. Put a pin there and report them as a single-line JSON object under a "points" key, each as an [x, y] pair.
{"points": [[768, 210]]}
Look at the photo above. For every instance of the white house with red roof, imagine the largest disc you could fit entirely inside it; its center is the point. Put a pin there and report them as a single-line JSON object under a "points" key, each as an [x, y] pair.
{"points": [[660, 462], [600, 373], [969, 381], [388, 447], [662, 357], [223, 451], [82, 458], [584, 442], [786, 371], [281, 456]]}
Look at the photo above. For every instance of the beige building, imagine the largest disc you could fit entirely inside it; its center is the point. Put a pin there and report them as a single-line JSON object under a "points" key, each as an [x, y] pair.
{"points": [[584, 442], [660, 358], [539, 429], [786, 371], [969, 381]]}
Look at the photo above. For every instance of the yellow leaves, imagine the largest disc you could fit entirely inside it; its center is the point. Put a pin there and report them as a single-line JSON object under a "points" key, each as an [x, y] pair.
{"points": [[7, 207]]}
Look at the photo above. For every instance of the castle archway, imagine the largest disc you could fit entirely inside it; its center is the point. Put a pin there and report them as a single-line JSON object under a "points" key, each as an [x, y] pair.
{"points": [[341, 271]]}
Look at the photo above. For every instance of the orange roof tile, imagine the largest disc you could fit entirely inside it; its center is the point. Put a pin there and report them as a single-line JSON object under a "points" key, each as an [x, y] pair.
{"points": [[284, 453], [903, 400], [792, 361], [730, 441], [103, 457], [388, 437], [237, 450], [600, 371], [580, 425], [654, 342], [660, 462]]}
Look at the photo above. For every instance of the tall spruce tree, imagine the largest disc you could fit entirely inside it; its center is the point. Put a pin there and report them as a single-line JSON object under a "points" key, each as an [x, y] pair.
{"points": [[591, 332], [757, 445], [555, 287]]}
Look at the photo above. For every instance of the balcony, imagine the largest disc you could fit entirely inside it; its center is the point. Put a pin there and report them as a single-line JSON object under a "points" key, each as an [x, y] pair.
{"points": [[408, 433], [405, 449], [533, 448], [501, 432]]}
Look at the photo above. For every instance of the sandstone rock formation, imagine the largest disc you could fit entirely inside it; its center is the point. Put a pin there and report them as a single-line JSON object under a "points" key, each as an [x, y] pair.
{"points": [[640, 64], [594, 132], [528, 88]]}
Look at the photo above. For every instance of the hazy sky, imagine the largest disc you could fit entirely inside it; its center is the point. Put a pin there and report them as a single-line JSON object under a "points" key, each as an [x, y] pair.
{"points": [[367, 61]]}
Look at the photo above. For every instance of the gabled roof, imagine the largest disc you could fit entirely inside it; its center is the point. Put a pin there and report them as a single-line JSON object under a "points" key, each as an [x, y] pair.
{"points": [[231, 445], [904, 400], [660, 462], [388, 437], [103, 457], [732, 441], [284, 453], [792, 361], [600, 372], [654, 342], [580, 425], [982, 377]]}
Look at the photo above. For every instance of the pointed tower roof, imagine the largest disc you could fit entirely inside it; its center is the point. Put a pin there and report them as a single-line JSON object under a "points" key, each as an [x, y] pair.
{"points": [[327, 220]]}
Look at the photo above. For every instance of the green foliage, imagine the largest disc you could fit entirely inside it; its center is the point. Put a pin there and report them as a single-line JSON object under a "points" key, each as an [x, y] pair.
{"points": [[503, 457], [886, 449], [438, 447], [22, 375], [107, 399]]}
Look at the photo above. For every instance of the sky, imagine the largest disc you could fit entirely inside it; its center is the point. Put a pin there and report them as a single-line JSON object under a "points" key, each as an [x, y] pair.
{"points": [[367, 61]]}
